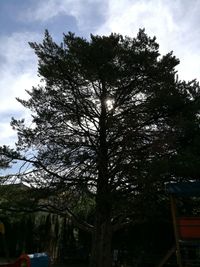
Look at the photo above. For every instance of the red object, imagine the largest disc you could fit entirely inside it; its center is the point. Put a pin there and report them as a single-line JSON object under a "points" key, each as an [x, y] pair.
{"points": [[189, 227], [22, 261]]}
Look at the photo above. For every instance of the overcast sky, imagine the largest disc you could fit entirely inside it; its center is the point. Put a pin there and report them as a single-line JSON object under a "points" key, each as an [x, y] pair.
{"points": [[175, 23]]}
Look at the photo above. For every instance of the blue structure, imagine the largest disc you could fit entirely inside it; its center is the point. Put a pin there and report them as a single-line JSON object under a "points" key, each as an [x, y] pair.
{"points": [[39, 260], [185, 189]]}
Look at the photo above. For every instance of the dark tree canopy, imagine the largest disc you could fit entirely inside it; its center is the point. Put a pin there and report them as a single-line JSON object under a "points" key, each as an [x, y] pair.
{"points": [[111, 121]]}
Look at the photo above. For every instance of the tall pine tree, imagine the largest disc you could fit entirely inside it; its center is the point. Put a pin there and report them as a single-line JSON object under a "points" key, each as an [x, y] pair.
{"points": [[107, 119]]}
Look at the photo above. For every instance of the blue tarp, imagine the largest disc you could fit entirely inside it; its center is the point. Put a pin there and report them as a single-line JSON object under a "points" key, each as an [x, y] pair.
{"points": [[187, 189]]}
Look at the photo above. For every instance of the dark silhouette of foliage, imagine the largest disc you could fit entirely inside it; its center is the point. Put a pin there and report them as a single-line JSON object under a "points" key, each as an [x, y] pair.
{"points": [[111, 123]]}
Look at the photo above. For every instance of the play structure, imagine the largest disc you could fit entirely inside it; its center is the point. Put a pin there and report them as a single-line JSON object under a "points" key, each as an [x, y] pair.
{"points": [[32, 260], [186, 228], [25, 260]]}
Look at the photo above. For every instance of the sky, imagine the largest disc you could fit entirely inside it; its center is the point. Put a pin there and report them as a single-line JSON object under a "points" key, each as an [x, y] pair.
{"points": [[175, 23]]}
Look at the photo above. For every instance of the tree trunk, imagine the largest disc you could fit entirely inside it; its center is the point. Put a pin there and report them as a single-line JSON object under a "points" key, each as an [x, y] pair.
{"points": [[101, 247], [101, 244]]}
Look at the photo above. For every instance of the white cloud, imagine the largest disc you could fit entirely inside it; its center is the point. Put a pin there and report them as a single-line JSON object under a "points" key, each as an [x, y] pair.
{"points": [[82, 11], [45, 10], [128, 16], [172, 22], [7, 136], [18, 71], [14, 85]]}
